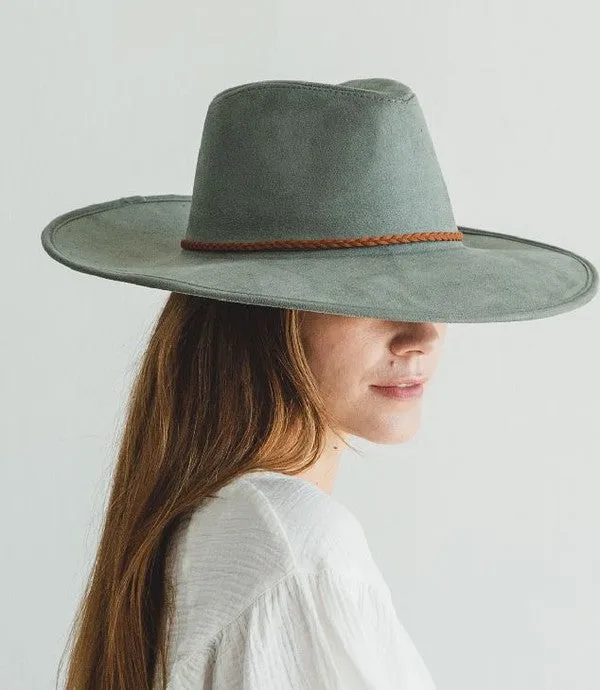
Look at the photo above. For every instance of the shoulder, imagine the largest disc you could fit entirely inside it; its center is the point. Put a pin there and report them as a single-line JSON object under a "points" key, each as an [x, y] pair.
{"points": [[319, 531], [263, 533]]}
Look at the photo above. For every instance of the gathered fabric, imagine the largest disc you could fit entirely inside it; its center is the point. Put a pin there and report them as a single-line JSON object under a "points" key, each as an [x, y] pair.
{"points": [[276, 589]]}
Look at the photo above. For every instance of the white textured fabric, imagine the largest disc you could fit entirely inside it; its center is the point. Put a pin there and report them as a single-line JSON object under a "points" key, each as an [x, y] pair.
{"points": [[276, 589]]}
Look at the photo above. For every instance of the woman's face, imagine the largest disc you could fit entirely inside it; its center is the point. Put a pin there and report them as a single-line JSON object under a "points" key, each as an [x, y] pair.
{"points": [[349, 355]]}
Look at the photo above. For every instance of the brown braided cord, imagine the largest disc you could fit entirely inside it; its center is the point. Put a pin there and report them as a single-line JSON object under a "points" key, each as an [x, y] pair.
{"points": [[196, 245]]}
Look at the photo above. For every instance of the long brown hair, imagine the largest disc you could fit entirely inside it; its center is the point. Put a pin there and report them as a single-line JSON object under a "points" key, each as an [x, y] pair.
{"points": [[222, 389]]}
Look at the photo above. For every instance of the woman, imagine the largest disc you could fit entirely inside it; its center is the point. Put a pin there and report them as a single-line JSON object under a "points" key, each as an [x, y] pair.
{"points": [[316, 263]]}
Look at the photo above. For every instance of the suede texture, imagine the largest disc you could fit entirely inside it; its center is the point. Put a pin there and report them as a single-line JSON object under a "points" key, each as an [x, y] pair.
{"points": [[294, 160]]}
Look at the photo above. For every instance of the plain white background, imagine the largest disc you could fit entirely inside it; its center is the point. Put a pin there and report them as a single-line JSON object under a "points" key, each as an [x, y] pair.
{"points": [[486, 524]]}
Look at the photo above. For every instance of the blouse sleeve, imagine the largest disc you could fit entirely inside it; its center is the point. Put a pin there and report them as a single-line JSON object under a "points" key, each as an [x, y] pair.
{"points": [[320, 630]]}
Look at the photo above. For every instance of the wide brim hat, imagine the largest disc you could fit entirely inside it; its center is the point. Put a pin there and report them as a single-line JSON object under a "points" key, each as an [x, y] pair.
{"points": [[325, 198]]}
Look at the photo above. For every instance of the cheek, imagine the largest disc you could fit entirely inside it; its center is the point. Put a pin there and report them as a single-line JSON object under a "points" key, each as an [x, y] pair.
{"points": [[337, 361], [347, 389], [337, 376]]}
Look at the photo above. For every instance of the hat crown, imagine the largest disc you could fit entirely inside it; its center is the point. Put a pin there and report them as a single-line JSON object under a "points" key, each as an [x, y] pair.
{"points": [[297, 160]]}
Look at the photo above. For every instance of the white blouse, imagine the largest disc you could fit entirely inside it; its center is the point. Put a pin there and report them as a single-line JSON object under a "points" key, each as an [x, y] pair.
{"points": [[276, 589]]}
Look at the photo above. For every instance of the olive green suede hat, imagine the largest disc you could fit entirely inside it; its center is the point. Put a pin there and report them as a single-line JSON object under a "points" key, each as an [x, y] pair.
{"points": [[325, 198]]}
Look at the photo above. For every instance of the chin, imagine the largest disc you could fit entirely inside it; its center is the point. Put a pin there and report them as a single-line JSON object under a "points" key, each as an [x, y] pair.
{"points": [[390, 437]]}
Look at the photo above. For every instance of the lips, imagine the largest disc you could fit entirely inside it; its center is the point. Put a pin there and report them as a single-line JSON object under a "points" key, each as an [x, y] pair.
{"points": [[397, 382], [399, 393]]}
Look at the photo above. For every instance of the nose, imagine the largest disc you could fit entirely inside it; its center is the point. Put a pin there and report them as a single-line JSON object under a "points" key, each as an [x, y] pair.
{"points": [[423, 337]]}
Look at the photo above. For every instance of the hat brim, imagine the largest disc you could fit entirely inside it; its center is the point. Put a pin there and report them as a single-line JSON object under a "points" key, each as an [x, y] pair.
{"points": [[485, 278]]}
